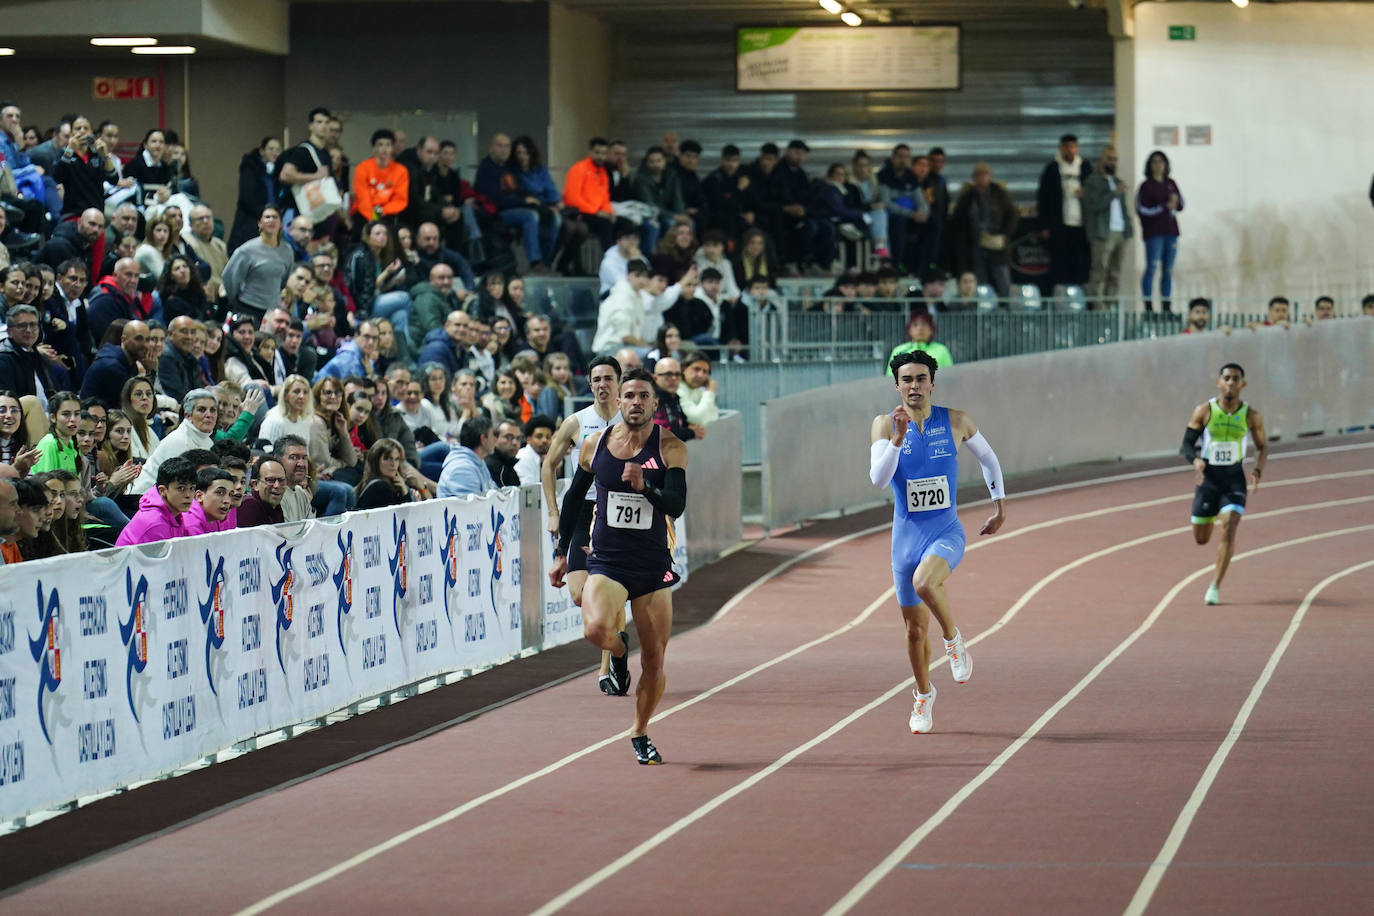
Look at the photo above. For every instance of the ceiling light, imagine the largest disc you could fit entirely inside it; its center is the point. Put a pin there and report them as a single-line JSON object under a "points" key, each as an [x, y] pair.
{"points": [[849, 18], [1241, 4], [832, 6], [165, 49], [122, 42], [6, 52]]}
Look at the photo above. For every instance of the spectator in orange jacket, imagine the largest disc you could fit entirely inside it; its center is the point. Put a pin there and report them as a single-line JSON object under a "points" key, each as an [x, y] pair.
{"points": [[587, 198], [381, 186]]}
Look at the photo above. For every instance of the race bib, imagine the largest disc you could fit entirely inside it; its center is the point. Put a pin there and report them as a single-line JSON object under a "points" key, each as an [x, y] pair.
{"points": [[629, 510], [927, 494], [1222, 454]]}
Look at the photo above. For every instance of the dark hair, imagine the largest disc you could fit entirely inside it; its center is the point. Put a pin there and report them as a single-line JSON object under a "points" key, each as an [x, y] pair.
{"points": [[382, 133], [915, 356], [234, 463], [1202, 301], [598, 141], [936, 151], [1068, 138], [624, 228], [729, 150], [165, 287], [1321, 299], [1235, 366], [74, 264], [265, 140], [768, 149], [661, 338], [859, 154], [1367, 300], [899, 147], [638, 374], [689, 146], [31, 495], [757, 279], [20, 440], [637, 266], [605, 361], [319, 109], [1278, 300], [283, 442], [710, 273], [57, 399], [471, 432], [273, 207], [178, 469], [654, 149], [921, 317], [692, 357], [240, 321], [528, 143], [373, 460], [207, 476], [201, 457], [539, 421], [447, 144], [231, 448], [1161, 155]]}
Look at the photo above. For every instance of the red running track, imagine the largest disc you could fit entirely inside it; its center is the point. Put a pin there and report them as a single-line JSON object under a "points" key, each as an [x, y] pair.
{"points": [[1085, 768]]}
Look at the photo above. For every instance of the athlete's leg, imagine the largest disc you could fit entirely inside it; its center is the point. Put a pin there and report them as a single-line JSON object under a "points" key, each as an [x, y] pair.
{"points": [[1230, 521], [577, 581], [917, 621], [603, 613], [930, 587], [654, 623], [1202, 531], [1206, 500]]}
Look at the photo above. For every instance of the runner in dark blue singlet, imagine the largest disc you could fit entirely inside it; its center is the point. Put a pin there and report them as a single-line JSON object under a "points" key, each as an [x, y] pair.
{"points": [[640, 470]]}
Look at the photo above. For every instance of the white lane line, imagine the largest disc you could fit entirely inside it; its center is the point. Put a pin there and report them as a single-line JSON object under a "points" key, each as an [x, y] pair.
{"points": [[454, 813], [1155, 873], [667, 833], [869, 881]]}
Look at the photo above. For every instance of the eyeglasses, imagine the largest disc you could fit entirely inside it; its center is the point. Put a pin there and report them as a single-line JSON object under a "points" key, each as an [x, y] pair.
{"points": [[201, 219], [668, 375], [330, 393], [273, 481], [24, 326]]}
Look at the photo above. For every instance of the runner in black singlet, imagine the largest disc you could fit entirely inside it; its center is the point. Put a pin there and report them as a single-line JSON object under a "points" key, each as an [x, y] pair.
{"points": [[641, 475]]}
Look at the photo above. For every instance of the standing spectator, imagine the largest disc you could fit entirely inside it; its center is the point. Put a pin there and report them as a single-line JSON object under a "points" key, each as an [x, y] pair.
{"points": [[376, 277], [870, 194], [200, 238], [1199, 317], [1059, 208], [1107, 218], [159, 515], [258, 268], [906, 204], [257, 189], [381, 186], [936, 189], [980, 230], [82, 170], [498, 179], [465, 471], [308, 160], [1157, 200]]}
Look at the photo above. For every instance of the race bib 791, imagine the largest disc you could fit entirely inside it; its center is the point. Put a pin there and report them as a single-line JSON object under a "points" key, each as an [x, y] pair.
{"points": [[629, 510]]}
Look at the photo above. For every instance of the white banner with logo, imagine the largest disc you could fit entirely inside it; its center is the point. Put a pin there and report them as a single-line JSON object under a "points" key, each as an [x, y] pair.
{"points": [[122, 666]]}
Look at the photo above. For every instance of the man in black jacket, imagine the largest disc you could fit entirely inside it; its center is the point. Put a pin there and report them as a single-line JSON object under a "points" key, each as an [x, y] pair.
{"points": [[76, 240], [22, 367], [1059, 210], [667, 379], [115, 364], [69, 304], [178, 368], [501, 461], [725, 192]]}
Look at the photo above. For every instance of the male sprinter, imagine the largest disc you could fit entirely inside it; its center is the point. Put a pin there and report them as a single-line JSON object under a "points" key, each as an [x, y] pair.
{"points": [[640, 471], [604, 379], [1223, 424], [915, 449]]}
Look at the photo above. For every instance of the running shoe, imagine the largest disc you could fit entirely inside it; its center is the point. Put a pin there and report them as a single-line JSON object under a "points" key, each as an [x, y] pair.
{"points": [[607, 684], [645, 752], [620, 668], [923, 712], [960, 662], [1213, 595]]}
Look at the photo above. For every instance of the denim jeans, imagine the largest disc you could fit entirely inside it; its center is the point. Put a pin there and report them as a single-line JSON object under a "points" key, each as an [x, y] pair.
{"points": [[333, 498], [1159, 252], [432, 459], [538, 232]]}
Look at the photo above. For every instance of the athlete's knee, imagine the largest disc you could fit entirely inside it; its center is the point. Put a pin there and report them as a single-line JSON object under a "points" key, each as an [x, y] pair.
{"points": [[598, 632], [927, 587], [916, 631], [1202, 533], [650, 661]]}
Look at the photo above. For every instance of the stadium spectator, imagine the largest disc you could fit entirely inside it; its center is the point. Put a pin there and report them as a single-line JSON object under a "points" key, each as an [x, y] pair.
{"points": [[376, 277], [257, 270], [980, 230], [658, 186], [308, 160], [1199, 317], [870, 196], [1107, 220], [212, 508], [200, 410], [118, 296], [381, 186], [936, 190], [263, 505], [1324, 309], [83, 239], [429, 252], [754, 260], [1277, 315], [905, 203], [425, 196], [1156, 202], [587, 202], [82, 170], [1367, 306], [501, 460], [383, 483], [465, 471], [615, 260], [178, 369], [199, 236], [296, 501], [698, 393], [711, 255], [24, 368], [160, 509], [667, 380], [1059, 209], [529, 460], [729, 209], [621, 315], [920, 332]]}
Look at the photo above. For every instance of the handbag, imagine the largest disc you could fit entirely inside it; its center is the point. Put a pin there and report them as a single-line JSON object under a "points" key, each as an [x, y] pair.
{"points": [[992, 241], [318, 199]]}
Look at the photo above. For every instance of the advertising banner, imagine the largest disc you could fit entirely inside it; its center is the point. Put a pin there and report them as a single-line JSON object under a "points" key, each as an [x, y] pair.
{"points": [[844, 58]]}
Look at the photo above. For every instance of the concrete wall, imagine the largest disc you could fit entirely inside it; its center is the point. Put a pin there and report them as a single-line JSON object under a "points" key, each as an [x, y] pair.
{"points": [[1070, 406], [579, 85]]}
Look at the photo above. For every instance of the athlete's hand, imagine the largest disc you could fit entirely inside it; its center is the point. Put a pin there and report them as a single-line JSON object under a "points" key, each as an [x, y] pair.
{"points": [[1198, 467], [900, 422], [1253, 476], [633, 475], [558, 572], [994, 523], [552, 525]]}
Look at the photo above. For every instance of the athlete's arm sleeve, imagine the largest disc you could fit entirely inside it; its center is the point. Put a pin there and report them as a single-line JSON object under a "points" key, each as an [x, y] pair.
{"points": [[572, 508], [992, 469], [882, 462], [672, 499], [1189, 447]]}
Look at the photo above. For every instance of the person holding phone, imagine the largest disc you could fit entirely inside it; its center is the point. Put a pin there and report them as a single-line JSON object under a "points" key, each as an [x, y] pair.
{"points": [[83, 169]]}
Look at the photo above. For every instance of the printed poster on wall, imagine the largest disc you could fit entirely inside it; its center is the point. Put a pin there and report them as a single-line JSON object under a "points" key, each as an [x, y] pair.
{"points": [[844, 58]]}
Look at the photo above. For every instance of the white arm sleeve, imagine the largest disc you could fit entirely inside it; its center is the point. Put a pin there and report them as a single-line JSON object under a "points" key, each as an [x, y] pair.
{"points": [[882, 462], [992, 470]]}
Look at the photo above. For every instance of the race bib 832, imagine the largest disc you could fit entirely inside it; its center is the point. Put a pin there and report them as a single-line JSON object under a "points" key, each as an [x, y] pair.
{"points": [[1222, 454]]}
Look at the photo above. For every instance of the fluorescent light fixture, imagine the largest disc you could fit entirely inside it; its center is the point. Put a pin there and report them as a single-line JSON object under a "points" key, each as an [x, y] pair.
{"points": [[6, 52], [1241, 4], [165, 49], [850, 18], [122, 42], [832, 6]]}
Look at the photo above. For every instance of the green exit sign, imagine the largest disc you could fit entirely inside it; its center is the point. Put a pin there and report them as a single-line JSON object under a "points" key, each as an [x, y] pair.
{"points": [[1182, 33]]}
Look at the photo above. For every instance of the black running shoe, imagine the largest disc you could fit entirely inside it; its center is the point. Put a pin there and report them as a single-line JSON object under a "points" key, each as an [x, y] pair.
{"points": [[607, 684], [645, 752], [620, 667]]}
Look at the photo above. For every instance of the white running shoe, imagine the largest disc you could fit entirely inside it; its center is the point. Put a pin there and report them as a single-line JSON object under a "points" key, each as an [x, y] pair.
{"points": [[960, 662], [923, 712], [1213, 595]]}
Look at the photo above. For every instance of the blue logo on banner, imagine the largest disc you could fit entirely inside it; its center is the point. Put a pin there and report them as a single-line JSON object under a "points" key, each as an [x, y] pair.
{"points": [[281, 597], [47, 651], [397, 562], [212, 613], [134, 632], [343, 581], [494, 550], [449, 552]]}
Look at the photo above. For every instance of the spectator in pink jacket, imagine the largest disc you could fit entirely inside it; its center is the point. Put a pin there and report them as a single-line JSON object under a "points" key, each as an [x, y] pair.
{"points": [[159, 510], [213, 507]]}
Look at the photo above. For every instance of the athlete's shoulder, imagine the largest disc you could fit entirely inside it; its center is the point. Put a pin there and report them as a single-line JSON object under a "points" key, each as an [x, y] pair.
{"points": [[673, 449], [962, 423], [881, 427]]}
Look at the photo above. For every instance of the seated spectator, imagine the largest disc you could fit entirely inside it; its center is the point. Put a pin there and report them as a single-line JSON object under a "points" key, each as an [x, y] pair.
{"points": [[147, 167], [498, 179], [123, 354], [697, 316], [562, 384], [237, 467], [500, 460], [711, 256], [82, 239], [754, 260], [376, 277], [622, 312], [182, 293], [503, 400], [159, 515], [907, 210], [213, 503], [15, 450], [616, 260], [263, 505], [677, 250], [529, 460], [426, 421], [494, 301], [382, 483], [840, 202], [67, 305], [921, 336], [381, 186], [538, 186], [118, 296], [178, 369], [199, 237], [22, 367], [667, 344], [667, 380], [297, 502], [139, 405], [257, 270], [331, 449], [431, 303], [539, 337], [698, 394], [1367, 306], [355, 357], [659, 187], [157, 247], [587, 201], [58, 448], [1276, 315], [196, 430], [447, 346], [292, 413], [465, 471], [429, 251], [391, 425]]}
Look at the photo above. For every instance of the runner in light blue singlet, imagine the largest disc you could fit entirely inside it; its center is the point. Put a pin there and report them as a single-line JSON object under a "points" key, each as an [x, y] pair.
{"points": [[925, 519]]}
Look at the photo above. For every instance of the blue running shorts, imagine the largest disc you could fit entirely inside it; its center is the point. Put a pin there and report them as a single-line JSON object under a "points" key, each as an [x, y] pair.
{"points": [[911, 545]]}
